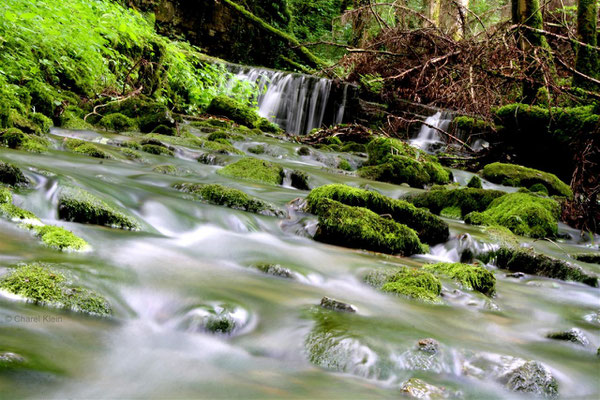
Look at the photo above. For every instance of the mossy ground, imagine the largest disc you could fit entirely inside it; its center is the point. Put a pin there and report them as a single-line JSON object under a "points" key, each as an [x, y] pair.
{"points": [[16, 139], [361, 228], [409, 282], [41, 285], [430, 228], [516, 175], [470, 276], [524, 214], [229, 197], [80, 206], [256, 170]]}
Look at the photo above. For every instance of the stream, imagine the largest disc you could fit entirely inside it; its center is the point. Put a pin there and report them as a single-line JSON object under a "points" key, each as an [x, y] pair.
{"points": [[189, 256]]}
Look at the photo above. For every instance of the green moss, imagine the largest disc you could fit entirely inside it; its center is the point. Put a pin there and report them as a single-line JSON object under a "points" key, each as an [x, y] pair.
{"points": [[43, 286], [43, 122], [118, 122], [71, 120], [14, 213], [397, 170], [12, 138], [524, 214], [80, 206], [229, 197], [430, 228], [467, 199], [344, 165], [334, 140], [358, 227], [166, 169], [165, 130], [157, 150], [471, 125], [303, 151], [258, 149], [539, 188], [86, 148], [267, 126], [516, 175], [409, 282], [234, 110], [470, 276], [592, 258], [5, 195], [453, 212], [217, 135], [475, 182], [12, 176], [353, 147], [522, 260], [59, 238], [23, 123], [256, 170]]}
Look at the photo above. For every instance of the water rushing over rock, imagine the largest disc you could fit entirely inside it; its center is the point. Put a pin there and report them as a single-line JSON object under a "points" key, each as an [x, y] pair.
{"points": [[297, 103], [429, 137]]}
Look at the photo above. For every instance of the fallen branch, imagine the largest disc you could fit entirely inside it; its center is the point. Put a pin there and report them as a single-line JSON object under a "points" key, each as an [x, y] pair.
{"points": [[130, 95]]}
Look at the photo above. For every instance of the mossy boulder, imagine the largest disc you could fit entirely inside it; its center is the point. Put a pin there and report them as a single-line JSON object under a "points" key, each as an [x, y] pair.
{"points": [[361, 228], [165, 169], [257, 149], [73, 119], [409, 282], [470, 276], [44, 286], [15, 139], [14, 213], [217, 135], [539, 188], [466, 199], [86, 148], [518, 176], [475, 182], [526, 261], [524, 214], [303, 151], [344, 165], [5, 195], [592, 258], [118, 122], [299, 180], [573, 335], [234, 110], [80, 206], [431, 229], [229, 197], [403, 169], [43, 122], [255, 170], [12, 176], [158, 150], [59, 238]]}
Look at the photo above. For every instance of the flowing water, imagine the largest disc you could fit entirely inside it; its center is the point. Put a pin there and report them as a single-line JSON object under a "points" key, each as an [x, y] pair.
{"points": [[296, 102], [190, 257]]}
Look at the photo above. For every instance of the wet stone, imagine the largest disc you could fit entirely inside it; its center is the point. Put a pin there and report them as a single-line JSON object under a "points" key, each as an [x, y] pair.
{"points": [[276, 270], [573, 335], [429, 345], [419, 389], [335, 305], [532, 377], [516, 275]]}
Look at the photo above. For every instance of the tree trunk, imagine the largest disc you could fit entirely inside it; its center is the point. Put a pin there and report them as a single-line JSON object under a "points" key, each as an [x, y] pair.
{"points": [[434, 8], [587, 58]]}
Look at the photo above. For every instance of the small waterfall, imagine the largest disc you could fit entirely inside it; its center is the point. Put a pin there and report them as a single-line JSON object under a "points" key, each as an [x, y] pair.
{"points": [[297, 103], [430, 139]]}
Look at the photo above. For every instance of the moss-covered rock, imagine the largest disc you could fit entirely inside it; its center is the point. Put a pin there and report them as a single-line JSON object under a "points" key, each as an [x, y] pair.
{"points": [[41, 285], [275, 270], [166, 169], [217, 135], [157, 150], [257, 149], [43, 122], [475, 182], [12, 176], [80, 206], [518, 176], [234, 110], [430, 228], [86, 148], [299, 180], [344, 165], [524, 214], [361, 228], [5, 195], [14, 213], [58, 238], [256, 170], [71, 119], [409, 282], [118, 122], [522, 260], [592, 258], [470, 276], [470, 125], [539, 188], [303, 151], [573, 335], [353, 147], [467, 199], [336, 305], [419, 389], [229, 197]]}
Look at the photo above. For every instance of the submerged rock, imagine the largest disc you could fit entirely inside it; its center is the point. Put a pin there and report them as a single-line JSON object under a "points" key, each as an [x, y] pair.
{"points": [[428, 345], [10, 360], [522, 260], [299, 180], [524, 214], [166, 169], [77, 205], [409, 282], [276, 270], [86, 148], [361, 228], [466, 199], [256, 170], [430, 228], [218, 318], [12, 176], [592, 258], [336, 305], [229, 197], [470, 276], [516, 175], [419, 389], [41, 285], [531, 377], [573, 335]]}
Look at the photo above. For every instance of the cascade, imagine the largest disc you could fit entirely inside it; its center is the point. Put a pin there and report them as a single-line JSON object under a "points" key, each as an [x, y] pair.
{"points": [[297, 103], [429, 139]]}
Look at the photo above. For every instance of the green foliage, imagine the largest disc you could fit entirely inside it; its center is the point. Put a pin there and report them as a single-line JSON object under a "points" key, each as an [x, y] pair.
{"points": [[524, 214], [229, 197], [42, 285], [80, 206], [361, 228], [516, 175], [470, 276], [409, 282], [430, 228], [256, 170]]}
